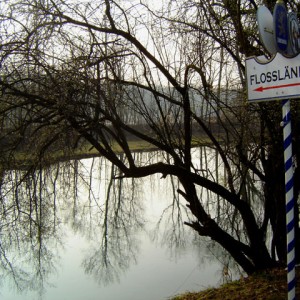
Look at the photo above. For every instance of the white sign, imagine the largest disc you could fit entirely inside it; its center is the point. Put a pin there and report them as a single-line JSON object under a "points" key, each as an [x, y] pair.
{"points": [[266, 28], [276, 79]]}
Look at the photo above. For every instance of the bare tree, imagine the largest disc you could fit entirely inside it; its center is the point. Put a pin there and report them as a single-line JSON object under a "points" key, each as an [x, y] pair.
{"points": [[106, 73]]}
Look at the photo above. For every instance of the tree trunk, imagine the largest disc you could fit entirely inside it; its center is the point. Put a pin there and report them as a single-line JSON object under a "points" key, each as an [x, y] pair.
{"points": [[251, 257]]}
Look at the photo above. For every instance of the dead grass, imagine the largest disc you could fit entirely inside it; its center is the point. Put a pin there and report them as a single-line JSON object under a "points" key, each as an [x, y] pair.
{"points": [[269, 285]]}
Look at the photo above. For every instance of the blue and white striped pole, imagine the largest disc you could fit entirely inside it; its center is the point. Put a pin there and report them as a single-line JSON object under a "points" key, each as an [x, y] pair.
{"points": [[289, 199]]}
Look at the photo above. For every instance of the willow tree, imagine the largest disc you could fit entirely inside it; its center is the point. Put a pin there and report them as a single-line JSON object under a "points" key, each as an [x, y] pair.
{"points": [[106, 73]]}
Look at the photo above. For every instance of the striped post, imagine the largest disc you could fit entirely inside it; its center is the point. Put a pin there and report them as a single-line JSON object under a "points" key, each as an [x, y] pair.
{"points": [[289, 199]]}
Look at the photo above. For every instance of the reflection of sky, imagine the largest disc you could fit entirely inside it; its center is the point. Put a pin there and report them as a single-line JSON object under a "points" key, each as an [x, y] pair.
{"points": [[156, 276]]}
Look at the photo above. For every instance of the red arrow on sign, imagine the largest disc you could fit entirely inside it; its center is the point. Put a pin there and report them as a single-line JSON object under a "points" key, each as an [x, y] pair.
{"points": [[261, 88]]}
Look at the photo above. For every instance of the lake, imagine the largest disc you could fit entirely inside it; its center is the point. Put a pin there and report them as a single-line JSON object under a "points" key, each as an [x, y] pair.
{"points": [[70, 234]]}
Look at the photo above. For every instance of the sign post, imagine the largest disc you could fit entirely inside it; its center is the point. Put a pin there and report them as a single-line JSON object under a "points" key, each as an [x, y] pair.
{"points": [[279, 79], [289, 199]]}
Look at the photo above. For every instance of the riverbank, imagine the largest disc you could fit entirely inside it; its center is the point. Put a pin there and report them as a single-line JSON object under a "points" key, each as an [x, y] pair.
{"points": [[22, 153], [20, 159], [269, 285]]}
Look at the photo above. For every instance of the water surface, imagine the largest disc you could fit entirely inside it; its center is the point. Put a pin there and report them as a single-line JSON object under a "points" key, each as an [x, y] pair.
{"points": [[146, 261]]}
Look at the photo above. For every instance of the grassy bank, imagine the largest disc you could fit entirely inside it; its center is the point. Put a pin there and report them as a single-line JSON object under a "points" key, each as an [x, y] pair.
{"points": [[269, 285], [20, 159]]}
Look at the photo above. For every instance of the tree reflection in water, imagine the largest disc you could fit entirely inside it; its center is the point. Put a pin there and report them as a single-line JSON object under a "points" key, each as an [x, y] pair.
{"points": [[114, 225], [36, 204], [29, 226], [91, 198]]}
